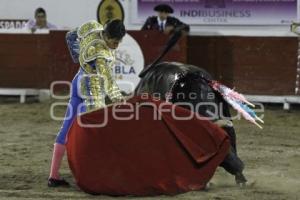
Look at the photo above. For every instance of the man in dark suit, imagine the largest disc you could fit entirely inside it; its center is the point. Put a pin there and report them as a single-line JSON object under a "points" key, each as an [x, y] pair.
{"points": [[163, 21]]}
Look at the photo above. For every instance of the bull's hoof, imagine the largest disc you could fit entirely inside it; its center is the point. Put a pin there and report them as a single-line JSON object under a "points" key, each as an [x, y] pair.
{"points": [[224, 123], [240, 180], [208, 186]]}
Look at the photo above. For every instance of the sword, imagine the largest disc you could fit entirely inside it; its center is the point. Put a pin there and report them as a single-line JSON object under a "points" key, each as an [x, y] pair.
{"points": [[171, 42]]}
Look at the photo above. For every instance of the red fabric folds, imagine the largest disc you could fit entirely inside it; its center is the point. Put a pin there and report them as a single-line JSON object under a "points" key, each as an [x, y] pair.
{"points": [[145, 156]]}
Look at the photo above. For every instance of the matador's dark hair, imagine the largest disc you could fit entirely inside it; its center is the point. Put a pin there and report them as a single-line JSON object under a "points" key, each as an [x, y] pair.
{"points": [[39, 10], [115, 29]]}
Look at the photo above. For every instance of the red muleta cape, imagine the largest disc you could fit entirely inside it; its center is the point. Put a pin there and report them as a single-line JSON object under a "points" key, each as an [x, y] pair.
{"points": [[144, 157]]}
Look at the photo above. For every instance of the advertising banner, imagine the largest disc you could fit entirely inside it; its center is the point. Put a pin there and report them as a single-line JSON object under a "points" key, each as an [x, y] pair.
{"points": [[223, 12]]}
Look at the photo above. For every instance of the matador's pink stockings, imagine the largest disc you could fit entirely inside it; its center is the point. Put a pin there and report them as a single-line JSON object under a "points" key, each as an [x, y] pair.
{"points": [[58, 153]]}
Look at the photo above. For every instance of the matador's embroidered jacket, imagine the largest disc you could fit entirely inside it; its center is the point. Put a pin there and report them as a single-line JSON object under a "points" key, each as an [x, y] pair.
{"points": [[96, 60]]}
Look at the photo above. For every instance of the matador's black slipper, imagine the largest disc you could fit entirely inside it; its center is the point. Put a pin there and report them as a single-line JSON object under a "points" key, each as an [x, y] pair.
{"points": [[57, 183]]}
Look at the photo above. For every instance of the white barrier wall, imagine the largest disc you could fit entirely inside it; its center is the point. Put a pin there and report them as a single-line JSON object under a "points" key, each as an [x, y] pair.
{"points": [[72, 13], [63, 13]]}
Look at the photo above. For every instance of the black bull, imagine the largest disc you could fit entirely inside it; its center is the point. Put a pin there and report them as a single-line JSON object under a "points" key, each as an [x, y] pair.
{"points": [[182, 83]]}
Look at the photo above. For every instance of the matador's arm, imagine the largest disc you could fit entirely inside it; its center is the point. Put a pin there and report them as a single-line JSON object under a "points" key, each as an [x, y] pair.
{"points": [[110, 85]]}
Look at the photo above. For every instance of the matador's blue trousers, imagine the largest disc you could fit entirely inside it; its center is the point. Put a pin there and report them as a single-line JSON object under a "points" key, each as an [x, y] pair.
{"points": [[75, 107]]}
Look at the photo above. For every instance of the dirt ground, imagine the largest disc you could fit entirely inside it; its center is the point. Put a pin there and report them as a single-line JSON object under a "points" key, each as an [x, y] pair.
{"points": [[271, 155]]}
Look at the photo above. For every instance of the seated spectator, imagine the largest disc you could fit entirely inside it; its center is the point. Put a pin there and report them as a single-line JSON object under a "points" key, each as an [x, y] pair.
{"points": [[163, 21], [40, 21]]}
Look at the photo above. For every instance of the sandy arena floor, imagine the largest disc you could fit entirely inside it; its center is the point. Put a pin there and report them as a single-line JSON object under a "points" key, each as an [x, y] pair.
{"points": [[272, 157]]}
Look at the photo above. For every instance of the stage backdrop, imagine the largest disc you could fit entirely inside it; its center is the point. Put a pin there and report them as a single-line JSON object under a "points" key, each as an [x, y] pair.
{"points": [[225, 12]]}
